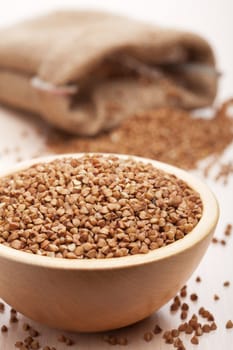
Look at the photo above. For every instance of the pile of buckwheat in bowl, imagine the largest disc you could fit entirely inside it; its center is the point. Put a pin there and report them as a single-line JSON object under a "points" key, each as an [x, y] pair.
{"points": [[95, 206]]}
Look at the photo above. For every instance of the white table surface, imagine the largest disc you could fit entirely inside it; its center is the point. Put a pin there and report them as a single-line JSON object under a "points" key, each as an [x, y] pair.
{"points": [[213, 20]]}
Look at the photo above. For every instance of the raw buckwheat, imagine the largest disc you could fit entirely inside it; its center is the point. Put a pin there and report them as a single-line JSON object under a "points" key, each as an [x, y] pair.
{"points": [[167, 134], [95, 207]]}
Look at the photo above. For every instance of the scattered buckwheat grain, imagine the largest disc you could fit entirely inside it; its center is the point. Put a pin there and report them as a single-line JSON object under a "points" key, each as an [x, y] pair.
{"points": [[189, 329], [157, 329], [228, 230], [184, 307], [226, 284], [112, 340], [13, 319], [4, 329], [175, 333], [33, 333], [213, 326], [206, 328], [183, 292], [193, 297], [148, 336], [151, 134], [183, 315], [194, 340], [224, 172], [229, 324]]}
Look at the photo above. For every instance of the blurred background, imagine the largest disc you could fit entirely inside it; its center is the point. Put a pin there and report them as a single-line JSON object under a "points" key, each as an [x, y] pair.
{"points": [[212, 19]]}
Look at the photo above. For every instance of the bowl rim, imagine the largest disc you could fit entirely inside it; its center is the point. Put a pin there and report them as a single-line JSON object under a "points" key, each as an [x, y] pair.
{"points": [[204, 227]]}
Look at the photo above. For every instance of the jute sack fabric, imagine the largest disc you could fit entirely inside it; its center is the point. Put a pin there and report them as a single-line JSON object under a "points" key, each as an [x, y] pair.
{"points": [[84, 72]]}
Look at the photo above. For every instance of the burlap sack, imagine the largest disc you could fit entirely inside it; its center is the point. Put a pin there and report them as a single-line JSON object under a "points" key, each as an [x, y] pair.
{"points": [[85, 71]]}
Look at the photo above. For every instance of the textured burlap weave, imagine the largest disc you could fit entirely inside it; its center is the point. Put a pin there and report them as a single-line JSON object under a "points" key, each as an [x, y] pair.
{"points": [[85, 71]]}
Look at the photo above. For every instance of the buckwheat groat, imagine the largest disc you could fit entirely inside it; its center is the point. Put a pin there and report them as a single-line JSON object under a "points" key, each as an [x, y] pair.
{"points": [[95, 207]]}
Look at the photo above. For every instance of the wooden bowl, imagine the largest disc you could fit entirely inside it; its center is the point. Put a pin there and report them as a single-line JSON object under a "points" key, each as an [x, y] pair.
{"points": [[102, 294]]}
